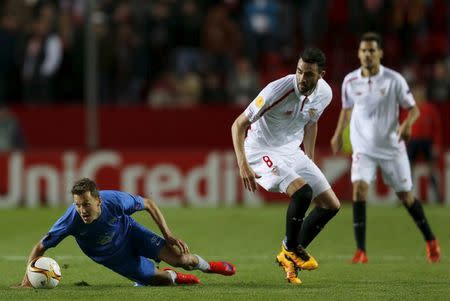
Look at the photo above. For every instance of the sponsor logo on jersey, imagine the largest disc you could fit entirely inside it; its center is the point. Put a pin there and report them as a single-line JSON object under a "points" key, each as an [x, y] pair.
{"points": [[104, 239], [259, 101], [275, 171]]}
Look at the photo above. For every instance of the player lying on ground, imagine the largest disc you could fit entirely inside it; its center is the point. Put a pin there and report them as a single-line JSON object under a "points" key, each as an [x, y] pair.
{"points": [[101, 224]]}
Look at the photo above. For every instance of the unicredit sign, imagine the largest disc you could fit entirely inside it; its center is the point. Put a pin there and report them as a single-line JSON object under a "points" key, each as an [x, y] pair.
{"points": [[172, 178]]}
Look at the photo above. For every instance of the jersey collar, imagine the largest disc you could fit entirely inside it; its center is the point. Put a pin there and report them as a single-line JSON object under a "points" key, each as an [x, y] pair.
{"points": [[374, 77]]}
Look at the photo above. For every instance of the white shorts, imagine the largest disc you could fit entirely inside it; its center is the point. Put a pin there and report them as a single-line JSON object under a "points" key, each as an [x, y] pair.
{"points": [[277, 170], [396, 171]]}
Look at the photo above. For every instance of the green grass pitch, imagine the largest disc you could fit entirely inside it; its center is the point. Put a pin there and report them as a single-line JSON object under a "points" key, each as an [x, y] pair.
{"points": [[250, 238]]}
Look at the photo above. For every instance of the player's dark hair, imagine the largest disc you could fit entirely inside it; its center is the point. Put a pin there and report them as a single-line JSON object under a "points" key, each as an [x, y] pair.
{"points": [[84, 185], [312, 55], [372, 37]]}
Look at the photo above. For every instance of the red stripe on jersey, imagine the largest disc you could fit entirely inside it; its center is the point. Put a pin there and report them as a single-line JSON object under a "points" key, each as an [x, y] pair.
{"points": [[345, 85], [277, 102], [303, 103]]}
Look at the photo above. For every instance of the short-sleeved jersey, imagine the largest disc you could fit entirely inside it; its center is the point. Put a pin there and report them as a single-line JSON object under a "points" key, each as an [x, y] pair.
{"points": [[375, 101], [102, 238], [280, 112]]}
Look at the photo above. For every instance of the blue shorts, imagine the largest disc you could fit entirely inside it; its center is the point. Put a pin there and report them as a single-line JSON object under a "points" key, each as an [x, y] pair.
{"points": [[132, 261]]}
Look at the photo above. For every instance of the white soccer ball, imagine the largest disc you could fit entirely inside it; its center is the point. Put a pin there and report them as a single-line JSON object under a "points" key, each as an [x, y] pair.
{"points": [[44, 272]]}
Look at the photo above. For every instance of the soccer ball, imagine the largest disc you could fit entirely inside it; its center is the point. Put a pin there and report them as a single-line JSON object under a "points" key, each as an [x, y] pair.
{"points": [[44, 272]]}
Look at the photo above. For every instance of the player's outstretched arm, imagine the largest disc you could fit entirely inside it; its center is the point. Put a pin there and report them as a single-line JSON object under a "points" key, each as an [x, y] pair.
{"points": [[38, 250], [238, 129], [404, 131], [344, 119], [159, 219]]}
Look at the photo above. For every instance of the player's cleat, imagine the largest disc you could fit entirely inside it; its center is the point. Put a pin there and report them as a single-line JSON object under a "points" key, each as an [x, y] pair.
{"points": [[187, 279], [360, 256], [433, 251], [289, 268], [222, 267], [300, 258]]}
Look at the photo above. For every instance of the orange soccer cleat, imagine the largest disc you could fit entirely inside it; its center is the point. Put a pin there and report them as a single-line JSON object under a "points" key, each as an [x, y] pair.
{"points": [[360, 256], [289, 268], [187, 279], [300, 258], [222, 267], [433, 251]]}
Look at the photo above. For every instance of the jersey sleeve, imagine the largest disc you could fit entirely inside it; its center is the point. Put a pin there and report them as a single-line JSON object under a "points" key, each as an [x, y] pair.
{"points": [[60, 229], [325, 100], [130, 203], [404, 95], [265, 99], [347, 101]]}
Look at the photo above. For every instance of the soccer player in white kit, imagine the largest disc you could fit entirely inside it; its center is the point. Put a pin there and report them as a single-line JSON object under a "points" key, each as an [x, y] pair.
{"points": [[277, 121], [371, 97]]}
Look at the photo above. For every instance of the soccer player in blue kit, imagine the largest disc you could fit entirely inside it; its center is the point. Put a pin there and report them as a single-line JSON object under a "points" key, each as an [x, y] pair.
{"points": [[101, 224]]}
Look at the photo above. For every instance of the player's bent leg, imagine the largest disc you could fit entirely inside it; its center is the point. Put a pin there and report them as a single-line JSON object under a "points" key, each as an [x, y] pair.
{"points": [[415, 209], [301, 194], [194, 261], [160, 278], [327, 206], [175, 258]]}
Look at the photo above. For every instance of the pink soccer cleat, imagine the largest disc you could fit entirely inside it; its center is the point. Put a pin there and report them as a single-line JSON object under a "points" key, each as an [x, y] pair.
{"points": [[222, 267]]}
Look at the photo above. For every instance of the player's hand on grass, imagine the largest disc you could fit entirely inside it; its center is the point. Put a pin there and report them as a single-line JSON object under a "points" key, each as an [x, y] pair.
{"points": [[25, 283], [336, 143], [21, 286], [249, 178], [173, 241]]}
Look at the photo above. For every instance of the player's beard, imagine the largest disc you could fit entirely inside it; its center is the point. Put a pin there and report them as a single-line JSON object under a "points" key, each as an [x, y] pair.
{"points": [[306, 90]]}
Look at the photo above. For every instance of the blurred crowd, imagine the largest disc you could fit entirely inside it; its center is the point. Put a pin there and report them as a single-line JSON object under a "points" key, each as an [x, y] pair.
{"points": [[186, 52]]}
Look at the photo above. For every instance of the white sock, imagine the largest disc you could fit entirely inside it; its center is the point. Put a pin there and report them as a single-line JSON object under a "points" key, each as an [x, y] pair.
{"points": [[173, 276], [202, 265]]}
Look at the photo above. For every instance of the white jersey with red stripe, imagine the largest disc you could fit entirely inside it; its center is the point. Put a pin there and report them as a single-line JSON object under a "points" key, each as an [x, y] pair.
{"points": [[375, 101], [280, 112]]}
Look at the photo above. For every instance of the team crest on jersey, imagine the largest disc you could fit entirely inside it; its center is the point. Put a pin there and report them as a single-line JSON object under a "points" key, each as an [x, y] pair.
{"points": [[312, 112], [259, 101], [383, 91]]}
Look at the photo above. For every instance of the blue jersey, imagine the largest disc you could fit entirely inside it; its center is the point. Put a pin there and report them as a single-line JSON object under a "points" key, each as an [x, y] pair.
{"points": [[105, 236]]}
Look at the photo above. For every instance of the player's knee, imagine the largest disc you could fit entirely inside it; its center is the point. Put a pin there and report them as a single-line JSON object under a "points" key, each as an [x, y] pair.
{"points": [[360, 190], [335, 205], [406, 197], [160, 278], [302, 194], [360, 194]]}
